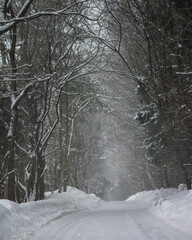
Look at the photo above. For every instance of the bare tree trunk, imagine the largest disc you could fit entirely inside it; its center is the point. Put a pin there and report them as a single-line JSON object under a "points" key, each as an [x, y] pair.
{"points": [[183, 167], [30, 181], [40, 188], [66, 163], [13, 123], [186, 177], [61, 147], [2, 49]]}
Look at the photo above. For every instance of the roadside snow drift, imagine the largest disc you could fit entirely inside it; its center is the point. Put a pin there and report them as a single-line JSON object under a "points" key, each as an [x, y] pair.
{"points": [[20, 221], [171, 204]]}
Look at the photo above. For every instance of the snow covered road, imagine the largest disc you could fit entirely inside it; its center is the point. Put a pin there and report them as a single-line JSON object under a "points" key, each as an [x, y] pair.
{"points": [[131, 220]]}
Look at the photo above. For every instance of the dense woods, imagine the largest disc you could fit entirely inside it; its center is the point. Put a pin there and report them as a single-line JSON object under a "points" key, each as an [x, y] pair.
{"points": [[164, 89], [66, 67]]}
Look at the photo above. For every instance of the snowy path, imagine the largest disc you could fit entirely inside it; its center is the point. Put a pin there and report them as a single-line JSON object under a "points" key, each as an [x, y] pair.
{"points": [[130, 220]]}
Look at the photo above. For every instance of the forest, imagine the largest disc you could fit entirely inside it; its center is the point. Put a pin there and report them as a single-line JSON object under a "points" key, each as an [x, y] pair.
{"points": [[95, 95]]}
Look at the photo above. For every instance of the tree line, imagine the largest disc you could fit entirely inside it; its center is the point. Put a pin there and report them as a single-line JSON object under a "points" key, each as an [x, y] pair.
{"points": [[154, 43], [47, 85], [52, 58]]}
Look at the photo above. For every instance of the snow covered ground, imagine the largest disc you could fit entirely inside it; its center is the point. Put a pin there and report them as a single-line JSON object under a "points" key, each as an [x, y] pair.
{"points": [[20, 221], [172, 205], [158, 215]]}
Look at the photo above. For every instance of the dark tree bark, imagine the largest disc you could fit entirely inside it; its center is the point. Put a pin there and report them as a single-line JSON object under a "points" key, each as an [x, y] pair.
{"points": [[11, 188]]}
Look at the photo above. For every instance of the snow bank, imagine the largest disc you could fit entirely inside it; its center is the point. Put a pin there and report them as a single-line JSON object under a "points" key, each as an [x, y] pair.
{"points": [[173, 205], [19, 221]]}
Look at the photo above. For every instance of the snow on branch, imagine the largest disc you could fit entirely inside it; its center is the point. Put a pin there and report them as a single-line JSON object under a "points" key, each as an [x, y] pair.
{"points": [[183, 73], [21, 95], [21, 148], [46, 137], [6, 175], [21, 15], [65, 54], [5, 28]]}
